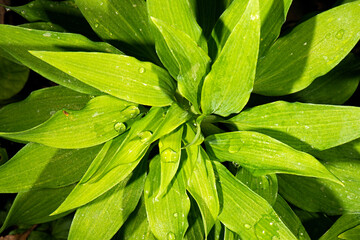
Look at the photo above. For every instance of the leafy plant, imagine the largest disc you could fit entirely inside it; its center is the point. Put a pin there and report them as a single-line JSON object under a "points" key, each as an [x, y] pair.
{"points": [[151, 135]]}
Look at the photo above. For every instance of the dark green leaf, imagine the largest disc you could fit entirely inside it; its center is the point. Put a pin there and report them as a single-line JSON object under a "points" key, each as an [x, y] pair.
{"points": [[350, 234], [309, 51], [344, 223], [118, 75], [167, 215]]}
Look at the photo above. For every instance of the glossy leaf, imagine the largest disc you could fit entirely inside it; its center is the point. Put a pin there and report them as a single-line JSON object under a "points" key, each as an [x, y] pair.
{"points": [[302, 126], [35, 206], [230, 235], [309, 51], [245, 212], [344, 223], [196, 225], [353, 233], [235, 65], [126, 155], [118, 75], [317, 195], [201, 184], [137, 226], [38, 166], [170, 153], [18, 41], [64, 13], [12, 78], [290, 219], [167, 215], [261, 154], [122, 23], [101, 218], [44, 26], [39, 107], [265, 186], [184, 59], [335, 87], [72, 129], [179, 14]]}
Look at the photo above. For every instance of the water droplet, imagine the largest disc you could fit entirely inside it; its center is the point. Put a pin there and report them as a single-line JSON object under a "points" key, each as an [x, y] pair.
{"points": [[142, 70], [47, 34], [234, 148], [120, 127], [305, 43], [267, 233], [117, 13], [131, 111], [171, 236], [175, 215], [101, 3], [145, 136], [96, 25], [134, 5], [169, 156], [247, 226], [340, 34], [307, 127]]}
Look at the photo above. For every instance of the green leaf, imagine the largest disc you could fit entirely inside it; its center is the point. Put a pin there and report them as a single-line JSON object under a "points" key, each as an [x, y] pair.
{"points": [[353, 233], [18, 41], [196, 226], [72, 129], [3, 156], [201, 184], [335, 87], [125, 155], [39, 107], [44, 26], [344, 223], [37, 166], [230, 235], [64, 13], [309, 51], [102, 218], [317, 195], [12, 78], [170, 153], [118, 75], [179, 14], [261, 154], [184, 59], [167, 215], [290, 219], [137, 226], [302, 126], [265, 186], [246, 213], [35, 206], [235, 66], [122, 23]]}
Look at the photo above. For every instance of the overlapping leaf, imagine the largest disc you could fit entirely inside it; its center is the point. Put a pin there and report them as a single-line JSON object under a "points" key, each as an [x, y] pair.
{"points": [[262, 154], [72, 129], [344, 223], [118, 75], [18, 41], [228, 86], [302, 126], [310, 50]]}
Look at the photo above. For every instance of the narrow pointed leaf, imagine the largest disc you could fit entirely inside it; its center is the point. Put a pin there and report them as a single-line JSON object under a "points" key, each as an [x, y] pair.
{"points": [[12, 78], [344, 223], [118, 75], [181, 15], [44, 26], [230, 235], [290, 219], [170, 153], [185, 60], [235, 66], [265, 186], [302, 126], [122, 23], [201, 184], [309, 51], [317, 195], [167, 215], [39, 107], [335, 87], [353, 233], [38, 166], [35, 206], [196, 225], [18, 41], [262, 154], [102, 218], [72, 129], [245, 212], [126, 155]]}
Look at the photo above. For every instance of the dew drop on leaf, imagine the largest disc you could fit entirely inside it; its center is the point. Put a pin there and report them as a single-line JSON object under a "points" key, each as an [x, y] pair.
{"points": [[169, 156], [266, 228], [175, 215], [145, 136], [340, 34], [120, 127], [247, 226], [142, 70], [234, 149], [171, 236]]}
